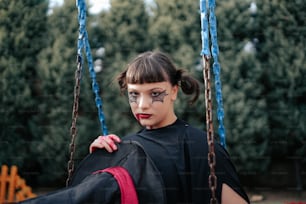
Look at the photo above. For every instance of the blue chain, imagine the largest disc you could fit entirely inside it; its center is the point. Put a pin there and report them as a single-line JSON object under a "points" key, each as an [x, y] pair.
{"points": [[84, 43], [204, 29], [211, 24]]}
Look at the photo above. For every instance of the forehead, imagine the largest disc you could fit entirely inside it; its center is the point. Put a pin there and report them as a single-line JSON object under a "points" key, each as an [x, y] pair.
{"points": [[148, 86]]}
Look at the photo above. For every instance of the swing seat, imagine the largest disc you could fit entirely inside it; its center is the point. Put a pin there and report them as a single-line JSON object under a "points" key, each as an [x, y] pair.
{"points": [[13, 188]]}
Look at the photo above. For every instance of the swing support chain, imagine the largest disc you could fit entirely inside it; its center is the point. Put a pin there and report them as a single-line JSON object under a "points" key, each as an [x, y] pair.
{"points": [[212, 179], [73, 129]]}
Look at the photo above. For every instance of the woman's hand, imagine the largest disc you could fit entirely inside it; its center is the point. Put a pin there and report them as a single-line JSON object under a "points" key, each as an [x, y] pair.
{"points": [[108, 142]]}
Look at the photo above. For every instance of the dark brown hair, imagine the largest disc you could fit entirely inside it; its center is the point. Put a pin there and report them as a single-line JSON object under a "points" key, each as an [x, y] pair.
{"points": [[150, 67]]}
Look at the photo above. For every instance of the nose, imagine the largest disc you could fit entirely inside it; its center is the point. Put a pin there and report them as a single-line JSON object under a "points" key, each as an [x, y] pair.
{"points": [[144, 102]]}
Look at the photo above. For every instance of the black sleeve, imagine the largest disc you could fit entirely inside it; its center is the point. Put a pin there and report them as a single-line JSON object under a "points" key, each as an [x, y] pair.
{"points": [[226, 173], [88, 188], [96, 188]]}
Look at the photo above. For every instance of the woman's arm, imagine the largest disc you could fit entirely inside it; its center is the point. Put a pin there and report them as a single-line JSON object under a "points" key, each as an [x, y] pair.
{"points": [[229, 196]]}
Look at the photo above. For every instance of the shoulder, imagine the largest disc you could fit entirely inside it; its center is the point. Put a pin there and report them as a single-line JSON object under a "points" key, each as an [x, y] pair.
{"points": [[195, 133], [190, 126], [130, 136]]}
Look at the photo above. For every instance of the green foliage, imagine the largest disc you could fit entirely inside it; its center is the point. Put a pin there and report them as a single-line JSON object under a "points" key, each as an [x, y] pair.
{"points": [[285, 36], [124, 28], [122, 31], [245, 118], [263, 69], [175, 29], [57, 72], [22, 30]]}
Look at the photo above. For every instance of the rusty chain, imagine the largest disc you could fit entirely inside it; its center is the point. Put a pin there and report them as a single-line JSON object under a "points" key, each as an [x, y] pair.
{"points": [[73, 129], [212, 179]]}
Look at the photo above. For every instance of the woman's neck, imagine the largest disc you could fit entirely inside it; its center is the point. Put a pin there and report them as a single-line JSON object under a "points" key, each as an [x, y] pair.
{"points": [[170, 121]]}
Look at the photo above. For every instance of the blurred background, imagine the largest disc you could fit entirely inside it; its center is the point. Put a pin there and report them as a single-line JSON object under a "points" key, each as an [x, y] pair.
{"points": [[263, 70]]}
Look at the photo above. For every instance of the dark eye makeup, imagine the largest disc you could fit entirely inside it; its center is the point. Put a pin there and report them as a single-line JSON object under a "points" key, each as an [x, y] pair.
{"points": [[155, 95]]}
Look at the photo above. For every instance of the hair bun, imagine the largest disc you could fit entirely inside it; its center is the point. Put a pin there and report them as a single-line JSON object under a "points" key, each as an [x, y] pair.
{"points": [[178, 76]]}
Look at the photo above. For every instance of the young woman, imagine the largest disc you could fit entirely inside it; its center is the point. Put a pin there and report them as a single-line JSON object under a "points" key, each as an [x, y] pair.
{"points": [[178, 150]]}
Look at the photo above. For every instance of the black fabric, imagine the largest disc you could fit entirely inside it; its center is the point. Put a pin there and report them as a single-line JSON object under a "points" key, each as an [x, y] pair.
{"points": [[92, 190], [178, 172], [180, 151], [86, 187]]}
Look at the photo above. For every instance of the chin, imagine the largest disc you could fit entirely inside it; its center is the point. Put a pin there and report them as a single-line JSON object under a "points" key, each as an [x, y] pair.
{"points": [[146, 124]]}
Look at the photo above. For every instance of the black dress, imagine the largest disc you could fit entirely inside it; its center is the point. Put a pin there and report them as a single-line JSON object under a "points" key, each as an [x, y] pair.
{"points": [[167, 165], [179, 152]]}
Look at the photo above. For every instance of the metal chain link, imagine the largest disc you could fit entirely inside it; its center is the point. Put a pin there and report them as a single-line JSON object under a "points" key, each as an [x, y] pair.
{"points": [[73, 129], [83, 43], [212, 179]]}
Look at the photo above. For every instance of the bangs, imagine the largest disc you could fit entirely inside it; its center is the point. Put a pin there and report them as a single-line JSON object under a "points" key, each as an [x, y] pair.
{"points": [[145, 70]]}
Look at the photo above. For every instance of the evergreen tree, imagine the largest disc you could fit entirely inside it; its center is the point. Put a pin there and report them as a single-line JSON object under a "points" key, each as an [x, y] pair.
{"points": [[245, 117], [57, 73], [22, 32], [175, 29], [282, 54], [124, 28], [123, 32], [262, 52]]}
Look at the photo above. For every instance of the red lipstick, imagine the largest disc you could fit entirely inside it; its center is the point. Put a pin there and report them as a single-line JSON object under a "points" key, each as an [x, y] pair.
{"points": [[140, 116]]}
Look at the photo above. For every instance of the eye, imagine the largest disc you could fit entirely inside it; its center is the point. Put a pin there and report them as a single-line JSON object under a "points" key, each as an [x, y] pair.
{"points": [[133, 94], [158, 96], [155, 94]]}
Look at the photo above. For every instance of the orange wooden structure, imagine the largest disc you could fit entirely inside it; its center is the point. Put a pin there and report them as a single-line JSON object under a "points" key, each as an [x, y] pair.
{"points": [[12, 187]]}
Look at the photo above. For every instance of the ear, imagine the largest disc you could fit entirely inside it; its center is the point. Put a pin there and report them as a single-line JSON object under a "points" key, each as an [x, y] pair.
{"points": [[174, 92]]}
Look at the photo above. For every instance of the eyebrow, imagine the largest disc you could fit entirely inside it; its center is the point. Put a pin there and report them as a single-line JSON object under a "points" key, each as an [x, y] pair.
{"points": [[153, 89]]}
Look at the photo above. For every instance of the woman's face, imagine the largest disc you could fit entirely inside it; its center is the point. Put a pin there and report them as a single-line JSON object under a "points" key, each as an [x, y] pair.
{"points": [[152, 103]]}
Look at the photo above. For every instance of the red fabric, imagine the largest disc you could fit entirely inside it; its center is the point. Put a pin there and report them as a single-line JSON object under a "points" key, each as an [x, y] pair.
{"points": [[125, 182]]}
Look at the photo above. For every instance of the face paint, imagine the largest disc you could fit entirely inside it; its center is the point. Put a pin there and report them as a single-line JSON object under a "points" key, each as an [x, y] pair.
{"points": [[159, 96], [155, 95], [133, 97]]}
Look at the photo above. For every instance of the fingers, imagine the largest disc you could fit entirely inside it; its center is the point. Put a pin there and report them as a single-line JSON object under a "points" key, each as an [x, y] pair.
{"points": [[108, 142], [115, 138], [95, 145]]}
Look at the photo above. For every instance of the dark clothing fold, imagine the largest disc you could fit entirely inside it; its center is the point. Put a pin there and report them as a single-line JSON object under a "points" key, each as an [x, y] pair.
{"points": [[180, 152], [167, 165], [89, 187]]}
